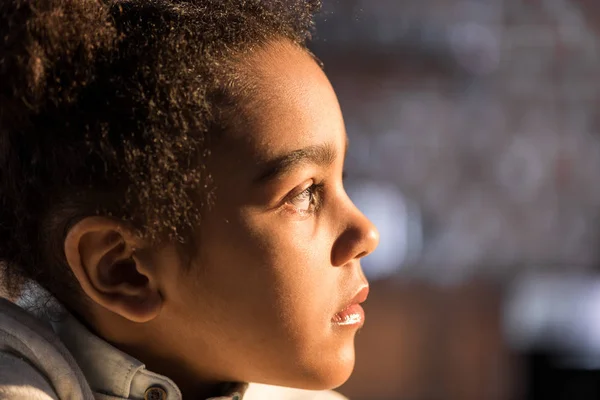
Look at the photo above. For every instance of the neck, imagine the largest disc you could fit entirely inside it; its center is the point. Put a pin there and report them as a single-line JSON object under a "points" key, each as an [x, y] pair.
{"points": [[191, 384], [139, 342], [204, 391]]}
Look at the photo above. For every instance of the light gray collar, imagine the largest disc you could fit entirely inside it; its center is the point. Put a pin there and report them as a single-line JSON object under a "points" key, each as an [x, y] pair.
{"points": [[113, 374]]}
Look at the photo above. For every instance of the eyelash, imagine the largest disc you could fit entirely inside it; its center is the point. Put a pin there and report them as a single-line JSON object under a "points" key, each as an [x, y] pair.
{"points": [[314, 191]]}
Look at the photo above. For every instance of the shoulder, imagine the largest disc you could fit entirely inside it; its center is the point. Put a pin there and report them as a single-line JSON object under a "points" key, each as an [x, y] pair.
{"points": [[34, 364], [267, 392], [19, 380]]}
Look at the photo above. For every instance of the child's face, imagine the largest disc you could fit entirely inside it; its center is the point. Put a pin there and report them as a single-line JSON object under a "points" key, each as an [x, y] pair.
{"points": [[273, 268], [278, 253]]}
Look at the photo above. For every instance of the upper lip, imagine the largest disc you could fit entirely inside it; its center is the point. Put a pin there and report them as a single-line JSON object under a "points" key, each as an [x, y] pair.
{"points": [[360, 296]]}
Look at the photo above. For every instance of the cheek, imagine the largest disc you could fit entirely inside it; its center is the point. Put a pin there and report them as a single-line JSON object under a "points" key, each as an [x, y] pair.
{"points": [[278, 270]]}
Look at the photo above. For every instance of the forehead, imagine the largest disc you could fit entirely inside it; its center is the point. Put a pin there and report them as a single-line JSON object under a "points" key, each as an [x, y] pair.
{"points": [[294, 105]]}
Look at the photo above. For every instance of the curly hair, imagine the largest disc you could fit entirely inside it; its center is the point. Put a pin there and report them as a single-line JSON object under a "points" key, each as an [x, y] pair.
{"points": [[108, 107]]}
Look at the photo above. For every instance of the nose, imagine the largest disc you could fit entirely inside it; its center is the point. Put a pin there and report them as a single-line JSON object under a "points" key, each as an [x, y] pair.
{"points": [[358, 239]]}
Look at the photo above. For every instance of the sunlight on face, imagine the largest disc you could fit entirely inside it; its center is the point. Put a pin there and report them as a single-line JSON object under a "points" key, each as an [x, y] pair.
{"points": [[279, 252]]}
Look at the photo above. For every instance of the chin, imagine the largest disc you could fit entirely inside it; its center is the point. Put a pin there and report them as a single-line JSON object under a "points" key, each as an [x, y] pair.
{"points": [[324, 367], [335, 379], [326, 373]]}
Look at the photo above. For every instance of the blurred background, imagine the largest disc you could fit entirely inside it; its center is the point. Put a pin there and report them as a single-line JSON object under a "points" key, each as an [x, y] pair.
{"points": [[475, 149]]}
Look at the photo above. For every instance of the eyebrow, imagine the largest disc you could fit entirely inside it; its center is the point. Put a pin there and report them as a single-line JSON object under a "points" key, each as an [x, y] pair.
{"points": [[322, 155]]}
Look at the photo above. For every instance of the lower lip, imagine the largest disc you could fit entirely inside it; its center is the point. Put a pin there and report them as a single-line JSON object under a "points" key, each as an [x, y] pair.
{"points": [[351, 316]]}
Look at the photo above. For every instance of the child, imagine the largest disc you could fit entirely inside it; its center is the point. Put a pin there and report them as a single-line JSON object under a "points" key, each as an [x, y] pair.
{"points": [[171, 198]]}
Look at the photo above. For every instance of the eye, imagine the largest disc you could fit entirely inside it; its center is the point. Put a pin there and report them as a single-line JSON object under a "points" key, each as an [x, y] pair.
{"points": [[306, 201]]}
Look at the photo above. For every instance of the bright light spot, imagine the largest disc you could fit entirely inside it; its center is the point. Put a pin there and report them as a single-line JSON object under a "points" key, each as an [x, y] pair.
{"points": [[398, 224]]}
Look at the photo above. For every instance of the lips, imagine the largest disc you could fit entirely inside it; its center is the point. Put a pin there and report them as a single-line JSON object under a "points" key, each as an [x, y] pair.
{"points": [[361, 296], [353, 314]]}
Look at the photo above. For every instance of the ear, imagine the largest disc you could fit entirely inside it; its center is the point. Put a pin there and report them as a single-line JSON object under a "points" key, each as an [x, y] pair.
{"points": [[106, 258]]}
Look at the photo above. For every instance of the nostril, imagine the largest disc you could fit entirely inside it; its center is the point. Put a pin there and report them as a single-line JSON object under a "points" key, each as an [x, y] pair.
{"points": [[361, 255]]}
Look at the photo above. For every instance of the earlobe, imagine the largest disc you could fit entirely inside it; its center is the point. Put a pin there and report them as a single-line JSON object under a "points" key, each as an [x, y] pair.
{"points": [[105, 258]]}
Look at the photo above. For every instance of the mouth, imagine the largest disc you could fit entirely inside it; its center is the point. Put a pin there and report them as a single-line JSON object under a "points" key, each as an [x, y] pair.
{"points": [[353, 314]]}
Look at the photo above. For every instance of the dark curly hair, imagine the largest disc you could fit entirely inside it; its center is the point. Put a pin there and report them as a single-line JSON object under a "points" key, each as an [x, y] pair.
{"points": [[108, 107]]}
